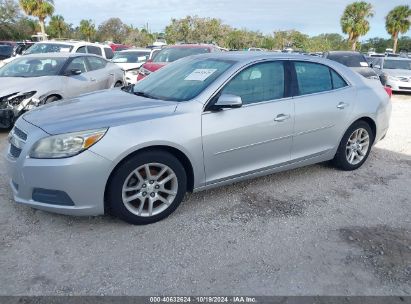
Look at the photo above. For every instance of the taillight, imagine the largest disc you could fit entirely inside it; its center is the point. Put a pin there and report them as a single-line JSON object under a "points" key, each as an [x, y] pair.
{"points": [[388, 90]]}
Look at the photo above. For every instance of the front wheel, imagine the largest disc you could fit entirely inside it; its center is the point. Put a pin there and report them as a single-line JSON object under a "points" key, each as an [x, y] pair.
{"points": [[355, 147], [147, 188]]}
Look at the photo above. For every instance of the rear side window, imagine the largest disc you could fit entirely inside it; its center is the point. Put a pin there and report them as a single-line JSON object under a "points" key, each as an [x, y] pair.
{"points": [[337, 80], [312, 78], [94, 50], [96, 63], [109, 53], [82, 50], [260, 82]]}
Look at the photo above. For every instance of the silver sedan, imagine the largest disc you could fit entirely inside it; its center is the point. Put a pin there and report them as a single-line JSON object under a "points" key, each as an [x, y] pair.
{"points": [[201, 122], [33, 80]]}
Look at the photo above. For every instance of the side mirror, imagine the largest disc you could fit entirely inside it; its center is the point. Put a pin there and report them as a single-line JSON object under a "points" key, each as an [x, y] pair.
{"points": [[73, 72], [371, 65], [150, 60], [227, 101]]}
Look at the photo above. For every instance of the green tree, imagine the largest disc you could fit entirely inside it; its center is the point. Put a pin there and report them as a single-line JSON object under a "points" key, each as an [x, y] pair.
{"points": [[113, 29], [40, 9], [57, 26], [87, 29], [354, 21], [9, 15], [398, 21]]}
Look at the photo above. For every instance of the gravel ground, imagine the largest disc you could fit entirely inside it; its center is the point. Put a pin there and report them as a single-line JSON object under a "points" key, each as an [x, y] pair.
{"points": [[310, 231]]}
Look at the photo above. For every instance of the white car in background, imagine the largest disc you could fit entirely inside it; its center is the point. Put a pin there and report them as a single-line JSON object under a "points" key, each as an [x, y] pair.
{"points": [[131, 60], [34, 80], [69, 46]]}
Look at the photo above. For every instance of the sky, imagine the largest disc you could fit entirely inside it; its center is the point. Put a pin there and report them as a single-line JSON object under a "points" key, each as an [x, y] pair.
{"points": [[311, 17]]}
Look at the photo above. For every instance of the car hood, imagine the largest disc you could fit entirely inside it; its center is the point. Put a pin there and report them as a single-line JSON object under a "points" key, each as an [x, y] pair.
{"points": [[11, 85], [397, 72], [154, 66], [102, 109], [365, 71], [129, 66]]}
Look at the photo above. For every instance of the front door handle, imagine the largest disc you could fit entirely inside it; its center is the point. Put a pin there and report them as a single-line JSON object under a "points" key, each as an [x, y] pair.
{"points": [[93, 79], [342, 105], [111, 74], [282, 117]]}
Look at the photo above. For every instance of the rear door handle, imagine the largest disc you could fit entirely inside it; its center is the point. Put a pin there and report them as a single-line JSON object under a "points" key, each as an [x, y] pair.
{"points": [[111, 74], [342, 105], [282, 117]]}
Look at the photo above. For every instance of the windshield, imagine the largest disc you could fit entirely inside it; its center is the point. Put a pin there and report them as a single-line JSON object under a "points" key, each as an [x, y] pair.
{"points": [[40, 48], [397, 64], [32, 67], [182, 80], [172, 54], [349, 60], [131, 57], [6, 50]]}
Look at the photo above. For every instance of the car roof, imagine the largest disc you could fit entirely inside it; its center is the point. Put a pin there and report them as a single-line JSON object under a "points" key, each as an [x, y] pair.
{"points": [[344, 53], [250, 56], [136, 50], [188, 46], [60, 55], [73, 42], [395, 58]]}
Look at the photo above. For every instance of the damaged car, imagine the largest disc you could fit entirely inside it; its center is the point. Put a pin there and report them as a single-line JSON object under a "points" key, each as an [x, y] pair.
{"points": [[31, 81]]}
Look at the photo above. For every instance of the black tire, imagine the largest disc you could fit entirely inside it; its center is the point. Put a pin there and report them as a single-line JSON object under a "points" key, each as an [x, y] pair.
{"points": [[118, 84], [115, 186], [340, 160]]}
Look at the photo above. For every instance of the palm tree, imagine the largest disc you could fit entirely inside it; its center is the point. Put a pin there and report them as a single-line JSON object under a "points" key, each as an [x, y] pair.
{"points": [[40, 9], [87, 29], [398, 21], [354, 21], [57, 26]]}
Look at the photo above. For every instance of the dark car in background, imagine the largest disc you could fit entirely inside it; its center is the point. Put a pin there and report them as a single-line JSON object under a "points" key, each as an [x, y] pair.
{"points": [[355, 61], [173, 53], [6, 51]]}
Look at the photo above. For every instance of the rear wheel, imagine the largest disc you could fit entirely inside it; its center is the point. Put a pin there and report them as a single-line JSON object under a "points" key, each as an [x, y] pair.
{"points": [[118, 84], [355, 147], [147, 188]]}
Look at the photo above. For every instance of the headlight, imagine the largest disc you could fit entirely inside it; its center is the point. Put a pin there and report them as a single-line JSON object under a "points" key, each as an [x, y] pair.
{"points": [[133, 72], [66, 145], [15, 100], [374, 77], [144, 71]]}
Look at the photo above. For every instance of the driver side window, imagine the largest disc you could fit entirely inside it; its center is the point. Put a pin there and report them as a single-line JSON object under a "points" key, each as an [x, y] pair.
{"points": [[78, 63], [259, 82]]}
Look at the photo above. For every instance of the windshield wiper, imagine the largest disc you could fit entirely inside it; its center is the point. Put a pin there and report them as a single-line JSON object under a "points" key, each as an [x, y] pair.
{"points": [[144, 94]]}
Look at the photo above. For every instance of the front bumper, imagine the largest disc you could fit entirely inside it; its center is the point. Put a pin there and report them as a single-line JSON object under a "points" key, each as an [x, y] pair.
{"points": [[82, 178], [400, 86]]}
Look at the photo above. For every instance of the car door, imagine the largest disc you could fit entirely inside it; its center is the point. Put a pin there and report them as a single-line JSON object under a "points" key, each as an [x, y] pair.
{"points": [[101, 77], [77, 84], [256, 136], [322, 101]]}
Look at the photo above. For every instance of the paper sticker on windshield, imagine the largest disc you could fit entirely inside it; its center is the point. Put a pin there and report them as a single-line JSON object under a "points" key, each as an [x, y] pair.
{"points": [[64, 50], [363, 64], [200, 74]]}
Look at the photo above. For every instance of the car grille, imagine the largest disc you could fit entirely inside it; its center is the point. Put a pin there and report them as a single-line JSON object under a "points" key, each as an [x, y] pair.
{"points": [[17, 140], [14, 151], [20, 133]]}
